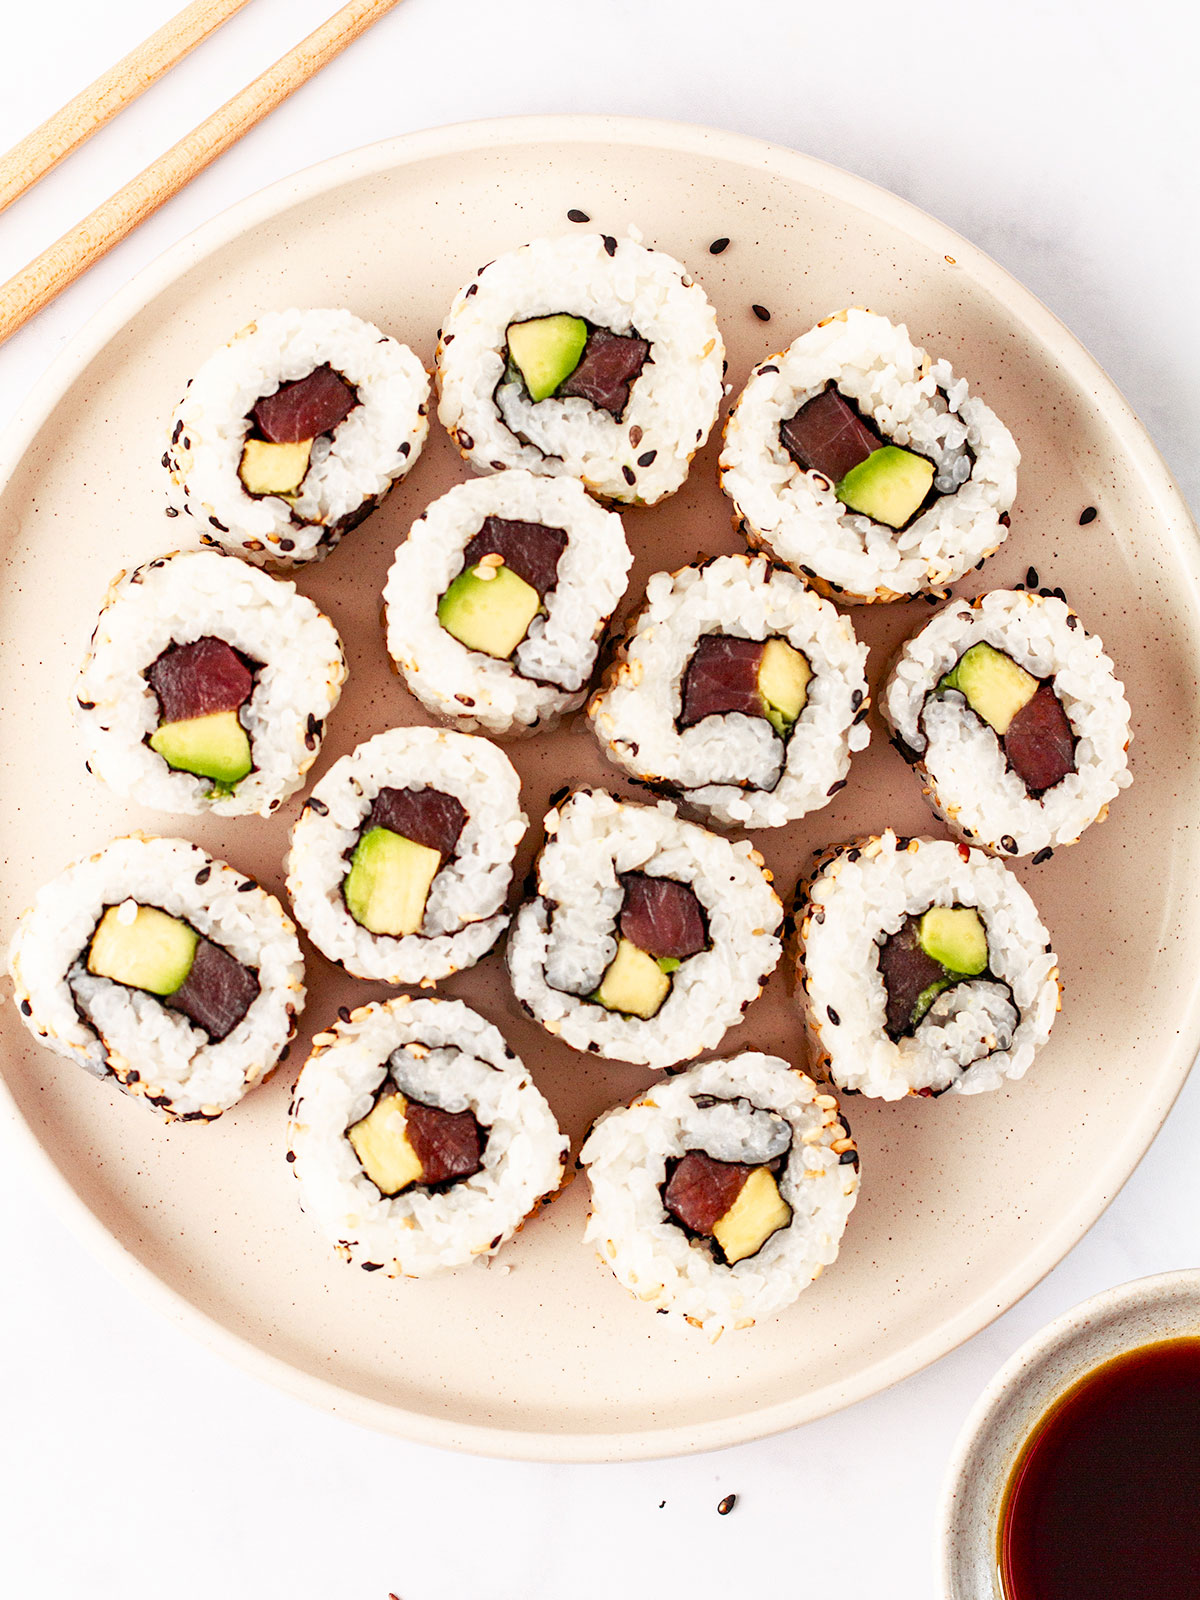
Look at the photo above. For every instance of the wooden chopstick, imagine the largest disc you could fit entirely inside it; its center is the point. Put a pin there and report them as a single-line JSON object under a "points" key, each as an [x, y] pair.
{"points": [[67, 129], [50, 273]]}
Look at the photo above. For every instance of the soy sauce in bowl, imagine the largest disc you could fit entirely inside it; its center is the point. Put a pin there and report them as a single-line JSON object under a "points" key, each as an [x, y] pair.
{"points": [[1103, 1502]]}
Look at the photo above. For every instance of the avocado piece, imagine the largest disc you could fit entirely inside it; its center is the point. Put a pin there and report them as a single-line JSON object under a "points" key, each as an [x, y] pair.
{"points": [[491, 614], [388, 882], [634, 983], [546, 351], [996, 688], [926, 998], [888, 486], [668, 964], [783, 675], [381, 1143], [216, 746], [955, 936], [146, 949], [758, 1212], [267, 468]]}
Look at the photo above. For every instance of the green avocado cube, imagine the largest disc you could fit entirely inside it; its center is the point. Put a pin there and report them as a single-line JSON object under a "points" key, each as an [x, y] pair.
{"points": [[490, 614], [926, 998], [388, 882], [888, 486], [783, 675], [215, 746], [634, 983], [995, 687], [955, 937], [143, 947], [546, 351]]}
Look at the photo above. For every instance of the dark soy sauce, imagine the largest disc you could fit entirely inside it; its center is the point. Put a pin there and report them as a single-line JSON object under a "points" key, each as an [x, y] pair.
{"points": [[1104, 1500]]}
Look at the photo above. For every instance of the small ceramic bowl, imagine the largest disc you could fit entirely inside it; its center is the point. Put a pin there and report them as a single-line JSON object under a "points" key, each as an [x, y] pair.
{"points": [[1146, 1311]]}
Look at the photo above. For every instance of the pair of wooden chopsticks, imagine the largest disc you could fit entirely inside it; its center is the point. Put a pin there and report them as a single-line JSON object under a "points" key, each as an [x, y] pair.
{"points": [[51, 272]]}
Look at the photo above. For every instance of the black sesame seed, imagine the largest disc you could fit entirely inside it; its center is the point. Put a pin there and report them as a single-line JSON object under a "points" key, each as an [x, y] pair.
{"points": [[833, 1016], [372, 1266], [166, 459], [1058, 594], [1031, 578], [853, 855], [726, 1505], [717, 246], [290, 1157], [761, 313], [465, 440], [171, 511], [344, 1013], [405, 448], [287, 544], [245, 888], [629, 475], [1088, 515], [26, 1009], [1009, 843], [1042, 855], [575, 215], [647, 460], [848, 1158], [219, 526], [319, 807], [204, 875], [610, 244], [1072, 622], [856, 699], [770, 367], [1005, 522], [834, 787]]}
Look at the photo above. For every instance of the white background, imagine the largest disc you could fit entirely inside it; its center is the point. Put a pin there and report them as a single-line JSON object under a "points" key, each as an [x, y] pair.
{"points": [[1060, 137]]}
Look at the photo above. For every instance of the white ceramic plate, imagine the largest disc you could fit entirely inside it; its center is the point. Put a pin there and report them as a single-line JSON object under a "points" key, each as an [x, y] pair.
{"points": [[965, 1202]]}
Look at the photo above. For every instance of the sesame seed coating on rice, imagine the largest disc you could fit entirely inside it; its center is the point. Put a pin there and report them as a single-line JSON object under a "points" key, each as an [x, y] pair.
{"points": [[563, 939], [914, 402], [963, 769], [763, 1108], [619, 284], [550, 669], [441, 1053], [175, 600], [108, 1028], [736, 768], [350, 471], [464, 914], [978, 1033]]}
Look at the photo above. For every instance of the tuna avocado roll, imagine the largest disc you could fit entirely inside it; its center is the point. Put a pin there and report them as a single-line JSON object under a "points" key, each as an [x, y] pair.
{"points": [[402, 856], [866, 466], [418, 1138], [206, 686], [924, 967], [1011, 714], [585, 357], [738, 688], [721, 1193], [154, 963], [497, 600], [293, 433], [647, 937]]}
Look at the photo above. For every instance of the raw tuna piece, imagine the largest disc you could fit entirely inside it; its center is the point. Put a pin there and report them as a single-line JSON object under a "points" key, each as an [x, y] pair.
{"points": [[722, 676], [196, 680], [610, 363], [306, 408], [448, 1144], [828, 436], [426, 816], [530, 549], [662, 917], [702, 1189], [1039, 744], [217, 992], [908, 970]]}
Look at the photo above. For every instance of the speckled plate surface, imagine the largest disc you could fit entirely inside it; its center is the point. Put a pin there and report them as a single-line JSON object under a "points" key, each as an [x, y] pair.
{"points": [[965, 1202]]}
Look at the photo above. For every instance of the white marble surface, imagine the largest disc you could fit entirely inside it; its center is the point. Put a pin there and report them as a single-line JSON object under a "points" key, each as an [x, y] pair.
{"points": [[135, 1464]]}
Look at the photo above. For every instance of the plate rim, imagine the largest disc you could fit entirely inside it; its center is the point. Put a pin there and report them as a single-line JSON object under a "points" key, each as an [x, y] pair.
{"points": [[1139, 452]]}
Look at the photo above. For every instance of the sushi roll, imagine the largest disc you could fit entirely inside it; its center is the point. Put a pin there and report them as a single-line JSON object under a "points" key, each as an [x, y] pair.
{"points": [[722, 1193], [865, 466], [584, 357], [418, 1138], [739, 689], [647, 937], [1011, 714], [924, 967], [293, 433], [496, 601], [402, 856], [206, 686], [164, 968]]}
